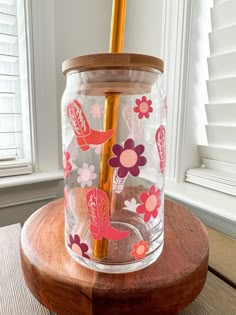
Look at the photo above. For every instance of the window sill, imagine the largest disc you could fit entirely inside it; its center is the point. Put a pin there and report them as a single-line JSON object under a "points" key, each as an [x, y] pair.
{"points": [[212, 207], [39, 177], [25, 189]]}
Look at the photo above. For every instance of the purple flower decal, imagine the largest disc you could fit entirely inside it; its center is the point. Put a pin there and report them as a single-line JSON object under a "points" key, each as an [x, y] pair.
{"points": [[78, 247], [128, 159]]}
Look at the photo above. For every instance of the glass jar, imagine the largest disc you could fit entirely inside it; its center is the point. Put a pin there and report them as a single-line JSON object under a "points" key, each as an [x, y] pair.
{"points": [[113, 126]]}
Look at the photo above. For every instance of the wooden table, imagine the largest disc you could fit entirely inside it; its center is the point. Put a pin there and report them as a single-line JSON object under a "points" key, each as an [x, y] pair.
{"points": [[217, 298]]}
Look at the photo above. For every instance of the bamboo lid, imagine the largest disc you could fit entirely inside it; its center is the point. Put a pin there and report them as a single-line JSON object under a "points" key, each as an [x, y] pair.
{"points": [[112, 61]]}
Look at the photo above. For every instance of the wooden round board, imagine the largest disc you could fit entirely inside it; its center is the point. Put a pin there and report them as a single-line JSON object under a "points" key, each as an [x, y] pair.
{"points": [[165, 287]]}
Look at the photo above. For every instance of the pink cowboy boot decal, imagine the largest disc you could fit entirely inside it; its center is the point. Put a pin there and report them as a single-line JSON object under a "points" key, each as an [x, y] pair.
{"points": [[85, 136], [98, 208], [160, 141]]}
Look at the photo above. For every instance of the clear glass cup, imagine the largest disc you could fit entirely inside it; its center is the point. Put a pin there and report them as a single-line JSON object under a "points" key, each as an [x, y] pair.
{"points": [[113, 126]]}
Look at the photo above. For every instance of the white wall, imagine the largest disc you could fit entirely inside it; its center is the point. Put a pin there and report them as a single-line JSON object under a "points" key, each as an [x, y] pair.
{"points": [[143, 33], [83, 27]]}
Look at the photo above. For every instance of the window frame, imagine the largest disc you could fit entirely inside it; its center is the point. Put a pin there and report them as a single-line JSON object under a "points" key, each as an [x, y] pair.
{"points": [[214, 208], [44, 113], [176, 49], [179, 55], [11, 165]]}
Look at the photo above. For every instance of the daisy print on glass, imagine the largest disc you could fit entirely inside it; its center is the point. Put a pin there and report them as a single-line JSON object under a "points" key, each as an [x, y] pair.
{"points": [[97, 148], [140, 250], [96, 110], [131, 205], [143, 107], [151, 202], [86, 175], [128, 158], [77, 246]]}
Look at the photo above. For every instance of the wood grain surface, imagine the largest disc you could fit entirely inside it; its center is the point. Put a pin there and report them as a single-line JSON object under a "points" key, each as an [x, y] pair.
{"points": [[216, 298], [15, 298], [165, 287], [113, 60], [222, 259]]}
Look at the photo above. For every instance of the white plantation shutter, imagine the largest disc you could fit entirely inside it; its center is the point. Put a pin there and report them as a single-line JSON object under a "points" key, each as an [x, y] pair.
{"points": [[219, 156], [15, 146]]}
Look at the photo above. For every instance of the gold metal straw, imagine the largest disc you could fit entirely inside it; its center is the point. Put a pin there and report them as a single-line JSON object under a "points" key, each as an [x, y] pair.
{"points": [[111, 112]]}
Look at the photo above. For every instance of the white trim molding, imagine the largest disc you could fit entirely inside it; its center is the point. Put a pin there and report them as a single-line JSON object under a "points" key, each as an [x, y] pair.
{"points": [[185, 32], [176, 34], [45, 112]]}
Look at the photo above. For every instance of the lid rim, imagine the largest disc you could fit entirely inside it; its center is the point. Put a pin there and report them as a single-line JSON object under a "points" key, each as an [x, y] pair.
{"points": [[113, 60]]}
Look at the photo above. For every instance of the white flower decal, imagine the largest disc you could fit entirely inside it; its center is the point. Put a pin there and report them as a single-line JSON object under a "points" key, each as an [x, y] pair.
{"points": [[96, 110], [97, 148], [73, 149], [86, 175], [131, 205]]}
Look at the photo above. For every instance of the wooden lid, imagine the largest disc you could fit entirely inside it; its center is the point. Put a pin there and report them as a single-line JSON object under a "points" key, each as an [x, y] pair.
{"points": [[113, 60]]}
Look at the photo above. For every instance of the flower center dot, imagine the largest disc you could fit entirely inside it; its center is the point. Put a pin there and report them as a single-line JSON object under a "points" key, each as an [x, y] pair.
{"points": [[140, 250], [85, 175], [128, 158], [143, 107], [151, 203], [77, 249]]}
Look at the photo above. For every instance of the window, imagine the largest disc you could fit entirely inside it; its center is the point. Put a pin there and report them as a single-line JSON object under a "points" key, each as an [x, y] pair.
{"points": [[219, 155], [186, 27], [15, 135], [40, 109]]}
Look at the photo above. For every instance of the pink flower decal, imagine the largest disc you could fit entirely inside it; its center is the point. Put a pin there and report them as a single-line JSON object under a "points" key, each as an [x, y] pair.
{"points": [[140, 250], [96, 110], [67, 167], [143, 107], [78, 247], [86, 175], [128, 159], [150, 203]]}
